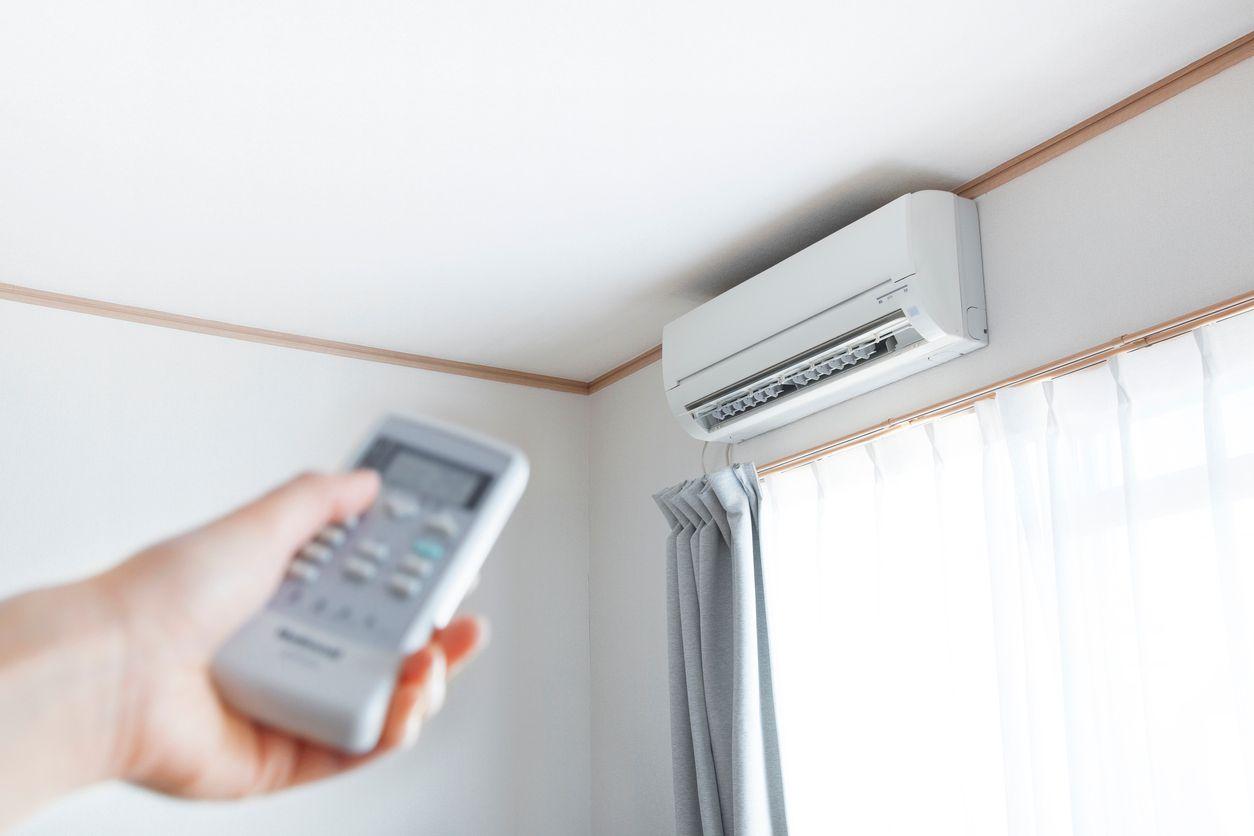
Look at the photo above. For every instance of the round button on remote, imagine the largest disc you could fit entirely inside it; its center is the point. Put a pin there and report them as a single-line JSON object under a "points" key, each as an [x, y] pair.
{"points": [[404, 586], [358, 570], [332, 535], [303, 571], [417, 565], [400, 506], [317, 552], [373, 549], [443, 525], [428, 548]]}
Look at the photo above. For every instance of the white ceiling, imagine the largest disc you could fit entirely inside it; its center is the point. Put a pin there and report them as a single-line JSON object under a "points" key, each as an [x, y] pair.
{"points": [[538, 185]]}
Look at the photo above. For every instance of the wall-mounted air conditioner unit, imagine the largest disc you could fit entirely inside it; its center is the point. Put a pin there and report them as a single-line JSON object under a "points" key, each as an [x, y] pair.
{"points": [[894, 293]]}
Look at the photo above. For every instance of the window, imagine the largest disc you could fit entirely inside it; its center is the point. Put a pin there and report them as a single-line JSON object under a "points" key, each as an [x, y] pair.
{"points": [[1035, 617]]}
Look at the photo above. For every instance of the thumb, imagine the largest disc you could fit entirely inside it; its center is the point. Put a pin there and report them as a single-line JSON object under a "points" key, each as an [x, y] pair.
{"points": [[287, 517], [219, 574]]}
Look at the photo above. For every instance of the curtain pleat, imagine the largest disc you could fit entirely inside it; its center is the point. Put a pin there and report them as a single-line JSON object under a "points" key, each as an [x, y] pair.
{"points": [[723, 734]]}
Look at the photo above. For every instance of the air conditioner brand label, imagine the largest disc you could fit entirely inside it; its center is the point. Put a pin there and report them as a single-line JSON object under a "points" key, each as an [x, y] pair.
{"points": [[322, 649]]}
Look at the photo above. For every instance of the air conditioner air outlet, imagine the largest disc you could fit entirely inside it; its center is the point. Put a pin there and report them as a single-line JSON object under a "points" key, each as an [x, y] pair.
{"points": [[823, 369]]}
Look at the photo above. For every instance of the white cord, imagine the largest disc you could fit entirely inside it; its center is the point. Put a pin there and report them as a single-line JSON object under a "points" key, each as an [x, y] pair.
{"points": [[727, 455]]}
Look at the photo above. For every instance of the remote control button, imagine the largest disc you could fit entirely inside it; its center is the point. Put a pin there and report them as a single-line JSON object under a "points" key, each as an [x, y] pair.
{"points": [[404, 586], [317, 552], [444, 525], [359, 570], [400, 506], [373, 549], [430, 549], [417, 565], [302, 571], [332, 535]]}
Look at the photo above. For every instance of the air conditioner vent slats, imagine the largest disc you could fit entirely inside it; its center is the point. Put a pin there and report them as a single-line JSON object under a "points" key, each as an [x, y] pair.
{"points": [[837, 357]]}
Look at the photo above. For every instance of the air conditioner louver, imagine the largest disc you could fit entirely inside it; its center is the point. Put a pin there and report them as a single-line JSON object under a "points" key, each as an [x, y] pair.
{"points": [[825, 362]]}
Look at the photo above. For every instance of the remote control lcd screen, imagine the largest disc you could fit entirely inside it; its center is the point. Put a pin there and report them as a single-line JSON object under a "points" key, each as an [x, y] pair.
{"points": [[425, 475]]}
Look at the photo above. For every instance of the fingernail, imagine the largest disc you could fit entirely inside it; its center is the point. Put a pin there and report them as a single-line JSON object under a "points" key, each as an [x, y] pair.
{"points": [[436, 684], [413, 727]]}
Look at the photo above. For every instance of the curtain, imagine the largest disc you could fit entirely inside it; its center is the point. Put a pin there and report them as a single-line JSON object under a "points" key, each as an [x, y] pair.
{"points": [[1034, 617], [725, 750]]}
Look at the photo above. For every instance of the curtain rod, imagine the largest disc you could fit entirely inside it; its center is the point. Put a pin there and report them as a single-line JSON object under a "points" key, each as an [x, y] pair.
{"points": [[1066, 365]]}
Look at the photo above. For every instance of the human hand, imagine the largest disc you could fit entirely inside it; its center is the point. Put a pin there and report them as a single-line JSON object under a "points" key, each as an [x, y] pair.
{"points": [[135, 650]]}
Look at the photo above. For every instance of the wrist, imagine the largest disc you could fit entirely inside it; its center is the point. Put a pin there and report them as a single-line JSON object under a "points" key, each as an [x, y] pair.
{"points": [[61, 676]]}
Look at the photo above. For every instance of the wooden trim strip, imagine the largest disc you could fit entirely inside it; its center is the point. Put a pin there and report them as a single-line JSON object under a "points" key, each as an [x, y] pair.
{"points": [[1118, 113], [1174, 327], [1134, 105], [1139, 102], [632, 366], [147, 316]]}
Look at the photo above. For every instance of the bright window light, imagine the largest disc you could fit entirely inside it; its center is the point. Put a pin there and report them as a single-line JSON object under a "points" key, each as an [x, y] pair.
{"points": [[1035, 617]]}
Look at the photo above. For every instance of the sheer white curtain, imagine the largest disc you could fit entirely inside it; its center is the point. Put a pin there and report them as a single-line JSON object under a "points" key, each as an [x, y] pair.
{"points": [[1036, 617]]}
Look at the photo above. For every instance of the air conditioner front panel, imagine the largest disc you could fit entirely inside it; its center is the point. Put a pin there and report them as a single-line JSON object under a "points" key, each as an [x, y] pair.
{"points": [[867, 253], [756, 358], [851, 315]]}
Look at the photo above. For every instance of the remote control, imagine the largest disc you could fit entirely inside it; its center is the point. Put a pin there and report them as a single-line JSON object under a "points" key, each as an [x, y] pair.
{"points": [[321, 659]]}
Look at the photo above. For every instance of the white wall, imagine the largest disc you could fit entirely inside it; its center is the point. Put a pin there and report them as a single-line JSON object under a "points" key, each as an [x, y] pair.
{"points": [[1152, 219], [113, 435]]}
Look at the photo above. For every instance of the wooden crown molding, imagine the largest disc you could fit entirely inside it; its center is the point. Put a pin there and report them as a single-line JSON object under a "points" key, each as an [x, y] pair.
{"points": [[1134, 105], [147, 316], [1118, 113], [632, 366]]}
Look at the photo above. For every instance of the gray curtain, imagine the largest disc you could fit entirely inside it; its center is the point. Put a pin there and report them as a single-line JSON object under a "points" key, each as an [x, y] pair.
{"points": [[724, 746]]}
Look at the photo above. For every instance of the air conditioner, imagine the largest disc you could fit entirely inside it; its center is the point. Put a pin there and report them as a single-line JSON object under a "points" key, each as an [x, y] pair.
{"points": [[897, 292]]}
